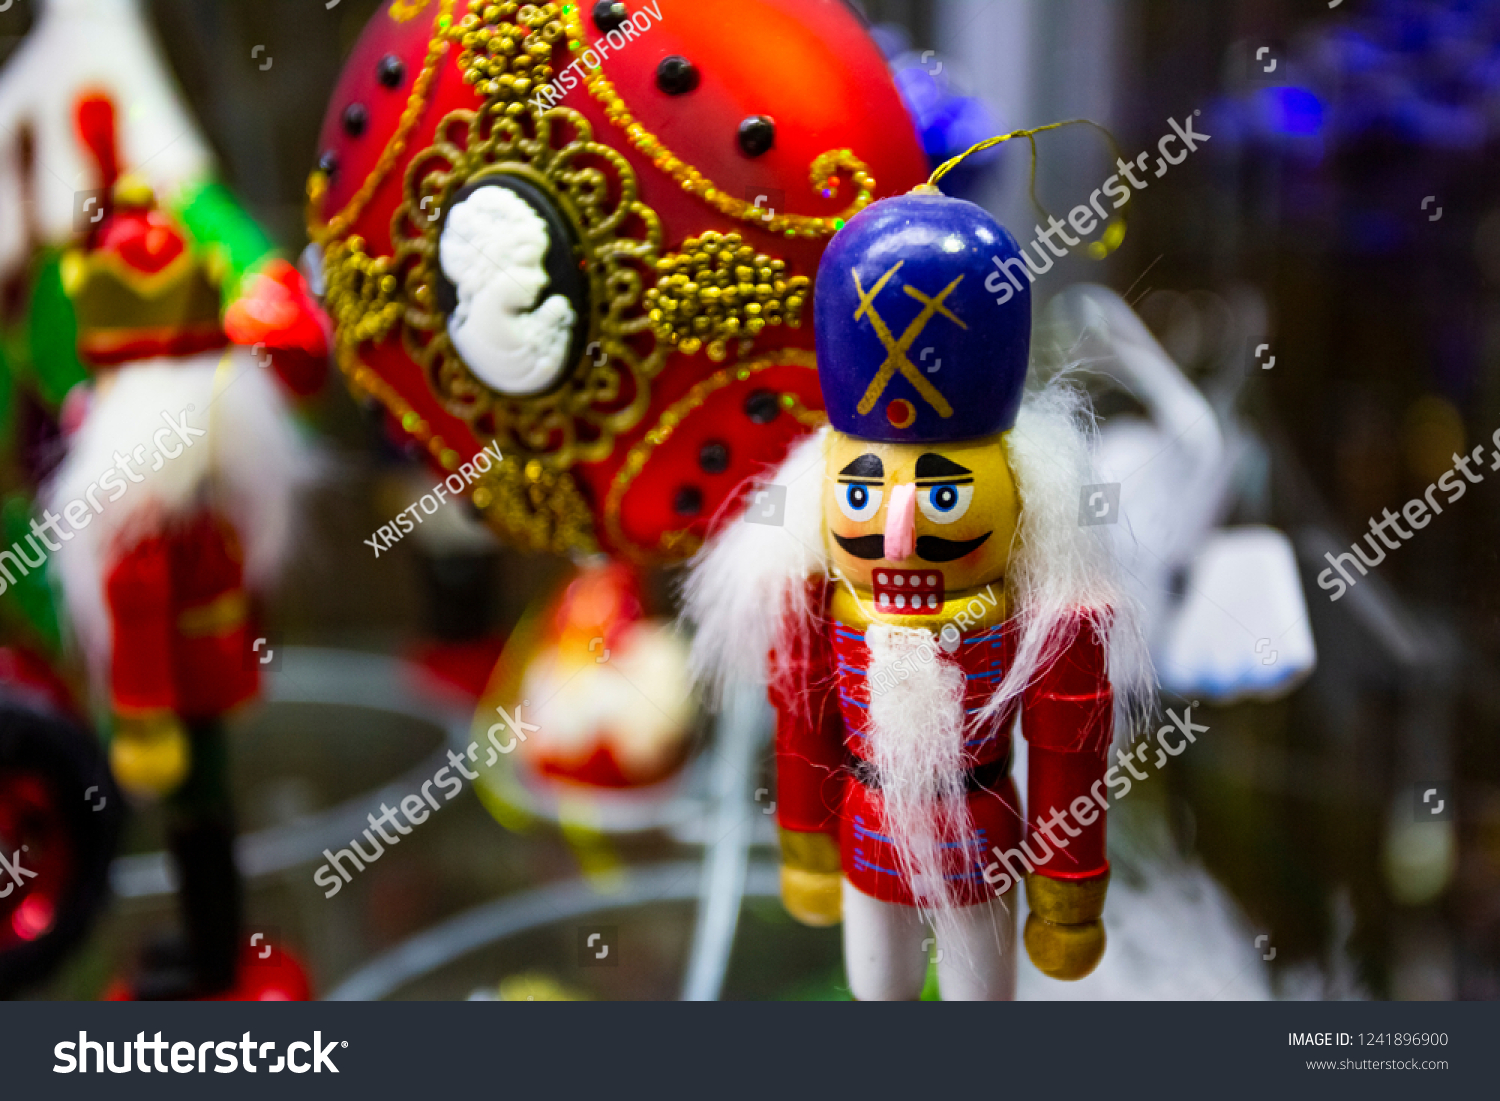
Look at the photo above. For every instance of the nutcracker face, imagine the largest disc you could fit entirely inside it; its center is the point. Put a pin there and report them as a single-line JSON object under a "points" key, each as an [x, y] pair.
{"points": [[916, 523]]}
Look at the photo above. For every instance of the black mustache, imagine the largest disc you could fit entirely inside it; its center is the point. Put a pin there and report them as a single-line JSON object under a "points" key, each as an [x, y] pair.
{"points": [[933, 548], [869, 547], [930, 548]]}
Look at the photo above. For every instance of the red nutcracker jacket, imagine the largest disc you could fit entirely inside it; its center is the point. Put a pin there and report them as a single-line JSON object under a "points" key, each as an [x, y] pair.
{"points": [[821, 696], [179, 617]]}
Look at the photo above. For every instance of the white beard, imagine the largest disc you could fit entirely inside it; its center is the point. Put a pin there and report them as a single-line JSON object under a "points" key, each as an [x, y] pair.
{"points": [[916, 735], [248, 465]]}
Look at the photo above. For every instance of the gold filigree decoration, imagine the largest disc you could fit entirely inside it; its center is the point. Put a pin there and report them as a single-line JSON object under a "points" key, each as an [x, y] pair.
{"points": [[682, 543], [536, 508], [507, 48], [717, 290], [362, 295], [404, 11], [618, 242], [825, 174]]}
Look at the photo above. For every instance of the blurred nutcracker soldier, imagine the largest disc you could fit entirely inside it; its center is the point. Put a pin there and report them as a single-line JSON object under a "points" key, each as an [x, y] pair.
{"points": [[176, 498], [925, 583]]}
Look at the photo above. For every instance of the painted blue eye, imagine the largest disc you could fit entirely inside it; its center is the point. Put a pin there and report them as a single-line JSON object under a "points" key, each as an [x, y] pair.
{"points": [[859, 501], [943, 504]]}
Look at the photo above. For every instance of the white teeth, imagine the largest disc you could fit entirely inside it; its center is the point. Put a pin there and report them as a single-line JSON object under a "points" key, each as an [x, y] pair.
{"points": [[880, 577], [900, 580], [932, 600], [932, 579], [900, 601]]}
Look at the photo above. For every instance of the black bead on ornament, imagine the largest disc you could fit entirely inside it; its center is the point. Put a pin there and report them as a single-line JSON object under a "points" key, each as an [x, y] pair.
{"points": [[676, 75], [356, 118], [328, 163], [391, 71], [610, 15], [761, 407], [688, 502], [757, 134], [713, 457]]}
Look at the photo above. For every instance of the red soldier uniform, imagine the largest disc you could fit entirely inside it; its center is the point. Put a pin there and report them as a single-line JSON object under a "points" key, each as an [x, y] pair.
{"points": [[1066, 717], [178, 605]]}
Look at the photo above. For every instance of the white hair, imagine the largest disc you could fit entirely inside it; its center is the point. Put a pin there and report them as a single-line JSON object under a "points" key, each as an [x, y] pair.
{"points": [[747, 591], [1062, 575]]}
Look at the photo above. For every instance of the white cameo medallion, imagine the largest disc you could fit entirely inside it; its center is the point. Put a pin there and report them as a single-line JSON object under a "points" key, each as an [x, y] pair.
{"points": [[493, 249]]}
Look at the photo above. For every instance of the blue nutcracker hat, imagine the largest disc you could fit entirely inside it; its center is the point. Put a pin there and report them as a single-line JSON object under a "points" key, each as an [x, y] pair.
{"points": [[913, 347], [922, 315]]}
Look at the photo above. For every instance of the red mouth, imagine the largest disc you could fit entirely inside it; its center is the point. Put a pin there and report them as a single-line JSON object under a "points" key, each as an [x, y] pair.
{"points": [[913, 592]]}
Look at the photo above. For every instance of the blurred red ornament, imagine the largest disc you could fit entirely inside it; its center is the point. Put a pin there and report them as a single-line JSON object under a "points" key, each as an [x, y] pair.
{"points": [[275, 310], [634, 311], [602, 688]]}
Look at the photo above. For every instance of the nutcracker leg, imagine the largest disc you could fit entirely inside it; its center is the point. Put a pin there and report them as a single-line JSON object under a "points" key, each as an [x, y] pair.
{"points": [[202, 841], [885, 955], [981, 967]]}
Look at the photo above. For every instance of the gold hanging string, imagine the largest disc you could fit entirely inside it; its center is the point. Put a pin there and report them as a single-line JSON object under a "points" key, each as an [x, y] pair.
{"points": [[1114, 230]]}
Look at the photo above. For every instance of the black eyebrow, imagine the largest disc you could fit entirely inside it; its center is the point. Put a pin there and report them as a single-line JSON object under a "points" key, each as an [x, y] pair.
{"points": [[866, 466], [935, 466]]}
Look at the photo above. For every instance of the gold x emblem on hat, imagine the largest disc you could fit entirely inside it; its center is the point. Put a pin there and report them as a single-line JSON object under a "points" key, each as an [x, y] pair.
{"points": [[896, 358]]}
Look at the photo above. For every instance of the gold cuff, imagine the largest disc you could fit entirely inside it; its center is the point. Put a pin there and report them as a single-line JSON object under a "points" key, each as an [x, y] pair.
{"points": [[1066, 901], [147, 726], [810, 852], [1064, 952], [150, 755], [813, 898]]}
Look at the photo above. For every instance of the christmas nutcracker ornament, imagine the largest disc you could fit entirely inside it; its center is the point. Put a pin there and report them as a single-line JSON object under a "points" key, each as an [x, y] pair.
{"points": [[919, 577], [173, 504], [589, 233]]}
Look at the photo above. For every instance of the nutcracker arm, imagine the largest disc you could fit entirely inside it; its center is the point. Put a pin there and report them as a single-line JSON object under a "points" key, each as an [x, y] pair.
{"points": [[810, 877], [809, 778], [808, 769], [1065, 932], [1068, 720], [267, 302]]}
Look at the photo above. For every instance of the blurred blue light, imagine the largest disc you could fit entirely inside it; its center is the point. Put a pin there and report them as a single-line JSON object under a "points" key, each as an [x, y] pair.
{"points": [[1292, 110]]}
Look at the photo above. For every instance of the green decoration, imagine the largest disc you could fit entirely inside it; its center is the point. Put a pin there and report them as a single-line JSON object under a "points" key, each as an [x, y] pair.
{"points": [[217, 223], [53, 333], [30, 599]]}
